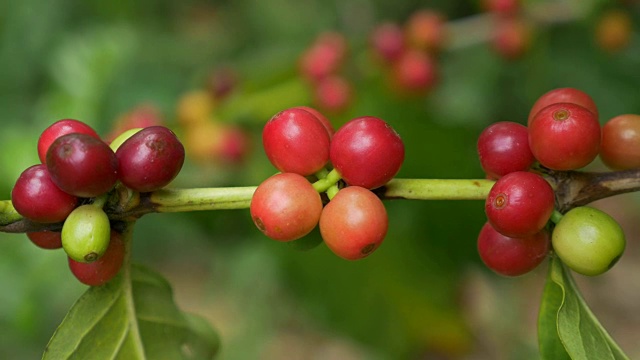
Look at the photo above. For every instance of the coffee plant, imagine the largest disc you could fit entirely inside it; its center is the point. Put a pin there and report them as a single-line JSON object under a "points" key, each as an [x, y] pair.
{"points": [[414, 175]]}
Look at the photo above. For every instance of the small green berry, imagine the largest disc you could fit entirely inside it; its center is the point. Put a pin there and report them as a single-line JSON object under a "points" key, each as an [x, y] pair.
{"points": [[85, 233]]}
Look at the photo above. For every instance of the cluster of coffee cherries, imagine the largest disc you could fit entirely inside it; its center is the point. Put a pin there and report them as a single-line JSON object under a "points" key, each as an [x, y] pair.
{"points": [[563, 133], [365, 153], [71, 185]]}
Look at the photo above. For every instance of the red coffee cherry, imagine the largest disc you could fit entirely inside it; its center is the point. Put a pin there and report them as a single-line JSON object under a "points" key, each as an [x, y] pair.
{"points": [[46, 239], [323, 119], [425, 30], [501, 7], [564, 136], [286, 207], [324, 57], [519, 204], [333, 93], [354, 223], [37, 198], [511, 37], [620, 147], [503, 148], [510, 256], [367, 152], [414, 72], [563, 95], [150, 159], [387, 42], [82, 165], [59, 128], [99, 272], [296, 141]]}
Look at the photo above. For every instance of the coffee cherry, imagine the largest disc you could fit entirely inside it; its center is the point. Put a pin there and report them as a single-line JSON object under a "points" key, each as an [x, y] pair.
{"points": [[511, 37], [333, 93], [324, 57], [37, 198], [387, 42], [503, 147], [512, 256], [286, 207], [564, 136], [46, 239], [150, 159], [563, 95], [367, 152], [59, 128], [354, 223], [85, 233], [118, 140], [414, 72], [296, 141], [425, 30], [519, 204], [82, 165], [194, 108], [620, 148], [105, 268], [614, 30], [501, 7], [588, 240]]}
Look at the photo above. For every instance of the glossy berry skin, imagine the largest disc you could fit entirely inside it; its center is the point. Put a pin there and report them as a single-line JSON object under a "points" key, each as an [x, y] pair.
{"points": [[519, 204], [563, 95], [510, 256], [286, 207], [564, 136], [85, 233], [37, 198], [46, 239], [503, 148], [588, 240], [105, 268], [296, 141], [367, 152], [59, 128], [150, 159], [323, 119], [354, 223], [620, 147], [82, 165]]}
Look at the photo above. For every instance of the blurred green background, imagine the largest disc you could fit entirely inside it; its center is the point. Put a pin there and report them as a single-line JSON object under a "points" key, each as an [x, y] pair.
{"points": [[424, 294]]}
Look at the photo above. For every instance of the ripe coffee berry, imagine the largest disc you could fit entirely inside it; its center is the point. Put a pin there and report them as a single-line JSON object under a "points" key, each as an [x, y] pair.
{"points": [[354, 223], [36, 197], [323, 119], [588, 240], [564, 136], [425, 30], [333, 93], [286, 207], [511, 37], [46, 239], [620, 148], [519, 204], [105, 268], [387, 41], [563, 95], [82, 165], [150, 159], [503, 148], [296, 141], [512, 256], [367, 152], [59, 128], [414, 72]]}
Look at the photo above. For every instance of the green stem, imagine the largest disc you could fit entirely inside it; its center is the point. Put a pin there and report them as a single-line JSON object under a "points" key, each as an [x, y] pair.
{"points": [[8, 213], [330, 179], [181, 200], [437, 189], [332, 191], [556, 216]]}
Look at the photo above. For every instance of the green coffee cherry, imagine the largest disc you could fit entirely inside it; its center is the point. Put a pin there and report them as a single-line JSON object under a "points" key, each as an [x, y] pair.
{"points": [[588, 240], [115, 144], [86, 233]]}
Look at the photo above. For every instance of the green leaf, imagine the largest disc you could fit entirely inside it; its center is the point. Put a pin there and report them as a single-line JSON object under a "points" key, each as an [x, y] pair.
{"points": [[566, 326], [131, 317]]}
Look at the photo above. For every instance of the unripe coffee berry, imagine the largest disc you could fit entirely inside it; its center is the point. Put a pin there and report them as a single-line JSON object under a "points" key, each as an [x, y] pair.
{"points": [[85, 233], [105, 268]]}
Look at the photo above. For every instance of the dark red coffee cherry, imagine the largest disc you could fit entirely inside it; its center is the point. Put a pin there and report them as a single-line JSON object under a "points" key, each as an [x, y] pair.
{"points": [[296, 141], [46, 239], [37, 198], [564, 136], [367, 152], [82, 165], [512, 256], [563, 95], [503, 147], [286, 207], [519, 204], [150, 159], [105, 268], [59, 128], [354, 223]]}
